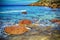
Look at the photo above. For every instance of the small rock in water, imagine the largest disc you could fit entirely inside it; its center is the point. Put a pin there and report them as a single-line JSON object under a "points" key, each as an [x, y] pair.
{"points": [[24, 12]]}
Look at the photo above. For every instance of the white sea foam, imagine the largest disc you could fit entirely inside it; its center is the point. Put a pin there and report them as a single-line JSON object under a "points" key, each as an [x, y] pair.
{"points": [[13, 11]]}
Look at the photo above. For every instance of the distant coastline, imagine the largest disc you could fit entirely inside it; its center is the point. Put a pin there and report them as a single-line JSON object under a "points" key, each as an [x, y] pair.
{"points": [[49, 3]]}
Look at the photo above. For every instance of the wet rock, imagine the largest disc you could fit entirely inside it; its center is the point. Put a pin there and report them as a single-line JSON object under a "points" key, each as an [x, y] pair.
{"points": [[3, 39], [55, 21], [56, 35], [39, 38], [32, 37], [24, 12]]}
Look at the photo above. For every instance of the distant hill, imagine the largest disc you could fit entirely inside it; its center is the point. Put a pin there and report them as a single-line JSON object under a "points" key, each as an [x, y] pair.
{"points": [[48, 3]]}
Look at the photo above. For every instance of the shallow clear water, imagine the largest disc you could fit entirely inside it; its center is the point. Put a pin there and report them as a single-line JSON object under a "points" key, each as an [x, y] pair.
{"points": [[10, 15], [14, 14]]}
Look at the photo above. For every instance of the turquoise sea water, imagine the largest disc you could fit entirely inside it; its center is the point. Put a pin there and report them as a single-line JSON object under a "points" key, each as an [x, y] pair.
{"points": [[13, 12], [17, 2], [10, 15]]}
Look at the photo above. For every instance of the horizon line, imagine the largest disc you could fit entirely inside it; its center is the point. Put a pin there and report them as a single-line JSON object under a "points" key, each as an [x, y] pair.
{"points": [[14, 5]]}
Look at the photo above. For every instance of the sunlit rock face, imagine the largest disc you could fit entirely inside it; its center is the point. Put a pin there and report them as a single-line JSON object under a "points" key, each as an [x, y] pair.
{"points": [[49, 3]]}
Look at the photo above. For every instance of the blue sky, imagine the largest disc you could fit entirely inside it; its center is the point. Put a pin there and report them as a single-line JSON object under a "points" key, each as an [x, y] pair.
{"points": [[18, 2]]}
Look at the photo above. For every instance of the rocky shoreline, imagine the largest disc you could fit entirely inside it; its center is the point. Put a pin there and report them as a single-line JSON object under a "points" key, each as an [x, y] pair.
{"points": [[54, 4]]}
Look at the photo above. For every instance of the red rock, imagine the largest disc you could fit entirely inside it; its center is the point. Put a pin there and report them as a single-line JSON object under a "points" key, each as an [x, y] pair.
{"points": [[25, 22], [56, 21], [15, 30]]}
